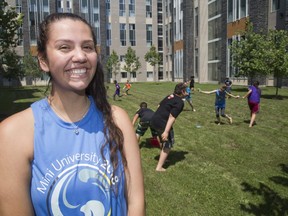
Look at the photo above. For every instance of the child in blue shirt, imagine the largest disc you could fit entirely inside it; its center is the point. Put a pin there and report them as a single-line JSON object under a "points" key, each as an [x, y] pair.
{"points": [[220, 102]]}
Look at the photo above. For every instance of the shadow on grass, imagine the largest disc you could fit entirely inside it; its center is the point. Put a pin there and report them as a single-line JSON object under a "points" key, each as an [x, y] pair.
{"points": [[266, 96], [173, 158], [8, 97], [273, 204], [274, 97]]}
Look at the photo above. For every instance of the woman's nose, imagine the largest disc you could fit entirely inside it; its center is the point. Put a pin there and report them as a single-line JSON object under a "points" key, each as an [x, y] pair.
{"points": [[79, 55]]}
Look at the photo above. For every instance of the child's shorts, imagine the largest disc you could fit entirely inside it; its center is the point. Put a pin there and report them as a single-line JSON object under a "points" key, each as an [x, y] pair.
{"points": [[254, 107], [142, 128]]}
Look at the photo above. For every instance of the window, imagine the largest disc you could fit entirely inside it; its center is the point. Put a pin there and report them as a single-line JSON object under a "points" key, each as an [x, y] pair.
{"points": [[243, 8], [213, 71], [160, 44], [122, 58], [150, 74], [149, 35], [214, 9], [196, 22], [123, 74], [230, 11], [236, 10], [108, 39], [132, 34], [149, 8], [214, 50], [214, 29], [132, 8], [122, 8], [123, 34], [275, 5], [33, 24], [108, 7]]}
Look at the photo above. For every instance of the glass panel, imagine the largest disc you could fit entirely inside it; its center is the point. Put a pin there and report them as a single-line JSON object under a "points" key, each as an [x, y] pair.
{"points": [[214, 29]]}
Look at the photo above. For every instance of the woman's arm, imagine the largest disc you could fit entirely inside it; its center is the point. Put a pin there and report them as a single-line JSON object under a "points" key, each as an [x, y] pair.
{"points": [[134, 175], [16, 152]]}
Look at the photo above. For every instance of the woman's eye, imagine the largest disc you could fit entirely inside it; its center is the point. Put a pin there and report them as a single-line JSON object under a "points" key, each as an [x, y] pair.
{"points": [[89, 48], [64, 48]]}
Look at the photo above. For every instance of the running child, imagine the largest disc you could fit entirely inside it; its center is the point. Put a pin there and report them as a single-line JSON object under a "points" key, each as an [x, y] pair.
{"points": [[220, 102], [253, 95], [188, 98], [117, 90], [127, 87]]}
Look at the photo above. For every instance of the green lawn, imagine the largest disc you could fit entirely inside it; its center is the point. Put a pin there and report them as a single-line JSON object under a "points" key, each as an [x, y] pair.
{"points": [[212, 170]]}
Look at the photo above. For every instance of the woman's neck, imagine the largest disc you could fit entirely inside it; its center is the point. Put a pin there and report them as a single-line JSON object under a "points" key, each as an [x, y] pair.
{"points": [[70, 109]]}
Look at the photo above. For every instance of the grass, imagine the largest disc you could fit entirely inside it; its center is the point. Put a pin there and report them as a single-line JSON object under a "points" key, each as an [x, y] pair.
{"points": [[212, 170]]}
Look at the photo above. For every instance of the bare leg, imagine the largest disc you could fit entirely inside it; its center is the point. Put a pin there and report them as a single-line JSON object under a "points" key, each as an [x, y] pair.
{"points": [[163, 156], [191, 105], [229, 118], [218, 119], [253, 116]]}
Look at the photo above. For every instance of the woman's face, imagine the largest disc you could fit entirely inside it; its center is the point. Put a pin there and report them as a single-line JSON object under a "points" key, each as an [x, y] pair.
{"points": [[71, 55]]}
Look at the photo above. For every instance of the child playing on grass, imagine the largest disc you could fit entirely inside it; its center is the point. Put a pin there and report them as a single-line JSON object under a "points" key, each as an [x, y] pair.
{"points": [[164, 118], [144, 114], [253, 95], [127, 87], [117, 90], [220, 102], [188, 98]]}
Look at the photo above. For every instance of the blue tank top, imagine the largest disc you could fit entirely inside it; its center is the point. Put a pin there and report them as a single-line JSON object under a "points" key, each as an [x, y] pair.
{"points": [[69, 175], [220, 100]]}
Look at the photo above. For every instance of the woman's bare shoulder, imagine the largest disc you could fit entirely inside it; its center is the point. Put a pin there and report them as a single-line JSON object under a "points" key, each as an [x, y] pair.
{"points": [[18, 122], [17, 131], [119, 114]]}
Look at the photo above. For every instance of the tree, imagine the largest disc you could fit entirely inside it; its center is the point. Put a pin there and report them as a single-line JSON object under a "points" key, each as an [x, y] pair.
{"points": [[277, 55], [31, 67], [11, 64], [113, 64], [261, 54], [153, 58], [10, 22], [132, 63], [248, 54]]}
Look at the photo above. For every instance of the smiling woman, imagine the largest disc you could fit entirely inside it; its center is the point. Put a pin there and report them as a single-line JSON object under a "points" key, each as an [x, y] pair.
{"points": [[68, 152]]}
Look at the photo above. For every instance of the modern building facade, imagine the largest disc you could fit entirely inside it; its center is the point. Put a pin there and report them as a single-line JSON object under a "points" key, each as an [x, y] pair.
{"points": [[192, 36], [204, 29]]}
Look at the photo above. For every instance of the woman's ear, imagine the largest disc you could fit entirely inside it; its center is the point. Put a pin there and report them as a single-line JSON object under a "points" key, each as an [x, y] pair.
{"points": [[43, 64]]}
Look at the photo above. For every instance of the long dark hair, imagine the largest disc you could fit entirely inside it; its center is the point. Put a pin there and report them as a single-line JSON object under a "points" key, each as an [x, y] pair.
{"points": [[113, 134]]}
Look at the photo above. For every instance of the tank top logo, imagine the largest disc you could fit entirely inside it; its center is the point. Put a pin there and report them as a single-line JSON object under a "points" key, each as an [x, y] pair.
{"points": [[64, 200]]}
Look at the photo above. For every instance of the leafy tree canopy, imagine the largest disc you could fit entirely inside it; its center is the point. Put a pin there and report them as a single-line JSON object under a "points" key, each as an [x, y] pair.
{"points": [[31, 67], [152, 56], [113, 63], [261, 54], [11, 63], [248, 54], [10, 22], [132, 63]]}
